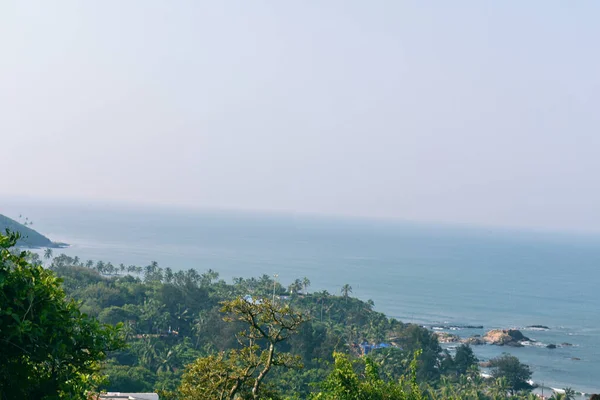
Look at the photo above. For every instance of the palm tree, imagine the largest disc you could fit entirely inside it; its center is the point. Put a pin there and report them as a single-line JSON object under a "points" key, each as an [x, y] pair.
{"points": [[100, 267], [198, 326], [148, 353], [192, 276], [168, 275], [370, 304], [89, 263], [48, 254], [182, 316], [346, 290], [166, 361], [306, 284], [569, 393], [128, 329], [153, 272], [295, 287], [75, 260], [110, 268], [500, 388], [122, 268], [208, 277]]}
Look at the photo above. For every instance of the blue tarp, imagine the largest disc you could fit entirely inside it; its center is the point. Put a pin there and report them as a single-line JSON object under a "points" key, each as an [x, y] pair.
{"points": [[367, 347]]}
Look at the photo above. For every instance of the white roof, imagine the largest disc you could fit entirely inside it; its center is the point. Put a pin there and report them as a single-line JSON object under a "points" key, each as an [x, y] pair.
{"points": [[129, 396]]}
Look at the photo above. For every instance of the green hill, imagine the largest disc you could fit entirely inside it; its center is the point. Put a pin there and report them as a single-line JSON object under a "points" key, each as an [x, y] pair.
{"points": [[29, 237]]}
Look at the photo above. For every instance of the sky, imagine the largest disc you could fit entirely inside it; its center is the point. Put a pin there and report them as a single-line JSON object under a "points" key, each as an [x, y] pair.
{"points": [[474, 112]]}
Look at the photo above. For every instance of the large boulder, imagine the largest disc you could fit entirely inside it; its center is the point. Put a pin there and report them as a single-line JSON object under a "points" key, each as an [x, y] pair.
{"points": [[505, 337], [444, 337]]}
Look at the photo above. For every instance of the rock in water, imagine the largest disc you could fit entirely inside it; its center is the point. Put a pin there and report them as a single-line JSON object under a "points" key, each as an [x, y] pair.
{"points": [[542, 327], [444, 337], [505, 337], [474, 341]]}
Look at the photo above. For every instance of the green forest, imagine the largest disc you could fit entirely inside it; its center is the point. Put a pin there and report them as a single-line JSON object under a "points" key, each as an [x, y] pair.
{"points": [[77, 327]]}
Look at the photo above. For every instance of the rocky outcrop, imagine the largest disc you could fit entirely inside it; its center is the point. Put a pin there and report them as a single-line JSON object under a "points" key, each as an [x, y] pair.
{"points": [[551, 346], [497, 337], [540, 327], [444, 337], [505, 337], [474, 341]]}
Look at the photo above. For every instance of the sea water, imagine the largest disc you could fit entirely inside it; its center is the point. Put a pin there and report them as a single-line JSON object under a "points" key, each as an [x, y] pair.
{"points": [[428, 274]]}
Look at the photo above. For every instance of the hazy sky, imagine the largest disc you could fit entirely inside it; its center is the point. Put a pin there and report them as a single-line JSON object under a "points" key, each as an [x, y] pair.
{"points": [[484, 112]]}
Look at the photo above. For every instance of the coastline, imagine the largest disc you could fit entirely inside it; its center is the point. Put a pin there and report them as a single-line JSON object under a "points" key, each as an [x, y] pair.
{"points": [[424, 276], [542, 384]]}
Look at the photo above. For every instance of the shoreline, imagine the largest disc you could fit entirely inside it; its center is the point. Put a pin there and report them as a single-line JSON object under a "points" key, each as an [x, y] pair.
{"points": [[548, 386], [409, 317]]}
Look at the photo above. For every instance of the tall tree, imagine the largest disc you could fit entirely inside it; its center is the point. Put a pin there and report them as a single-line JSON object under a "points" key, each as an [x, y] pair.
{"points": [[569, 393], [464, 359], [100, 267], [305, 284], [168, 275], [109, 268], [295, 287], [243, 371], [509, 367], [346, 290], [48, 254], [49, 348]]}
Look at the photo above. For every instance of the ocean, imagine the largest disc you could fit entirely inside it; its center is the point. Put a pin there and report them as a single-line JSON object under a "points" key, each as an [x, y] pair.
{"points": [[423, 273]]}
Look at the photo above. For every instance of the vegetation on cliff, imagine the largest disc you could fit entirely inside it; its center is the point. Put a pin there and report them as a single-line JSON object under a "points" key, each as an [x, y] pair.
{"points": [[28, 236]]}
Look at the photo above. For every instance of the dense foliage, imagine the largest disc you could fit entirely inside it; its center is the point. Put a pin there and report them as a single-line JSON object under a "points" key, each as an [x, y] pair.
{"points": [[49, 348], [186, 331], [172, 318], [242, 372], [509, 368]]}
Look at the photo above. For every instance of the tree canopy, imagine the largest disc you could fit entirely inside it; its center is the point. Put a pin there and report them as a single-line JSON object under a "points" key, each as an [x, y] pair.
{"points": [[49, 348], [192, 335], [242, 371], [515, 373]]}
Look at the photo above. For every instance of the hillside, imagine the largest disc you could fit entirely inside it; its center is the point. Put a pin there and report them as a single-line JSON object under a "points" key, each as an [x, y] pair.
{"points": [[29, 237]]}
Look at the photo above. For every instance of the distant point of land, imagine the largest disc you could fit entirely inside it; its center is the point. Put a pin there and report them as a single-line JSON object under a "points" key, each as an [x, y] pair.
{"points": [[29, 237]]}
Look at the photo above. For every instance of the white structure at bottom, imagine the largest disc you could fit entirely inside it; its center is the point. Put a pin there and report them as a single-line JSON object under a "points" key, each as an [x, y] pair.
{"points": [[128, 396]]}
